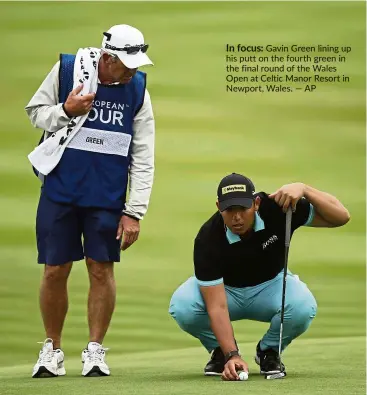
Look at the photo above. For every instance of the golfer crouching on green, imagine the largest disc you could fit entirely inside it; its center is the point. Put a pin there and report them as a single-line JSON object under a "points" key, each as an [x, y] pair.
{"points": [[239, 259]]}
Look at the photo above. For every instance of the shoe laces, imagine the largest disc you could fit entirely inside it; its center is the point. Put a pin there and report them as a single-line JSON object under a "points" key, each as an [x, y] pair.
{"points": [[46, 354], [96, 356]]}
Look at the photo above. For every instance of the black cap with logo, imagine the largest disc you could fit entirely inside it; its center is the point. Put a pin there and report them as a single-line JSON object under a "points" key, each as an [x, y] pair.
{"points": [[235, 190]]}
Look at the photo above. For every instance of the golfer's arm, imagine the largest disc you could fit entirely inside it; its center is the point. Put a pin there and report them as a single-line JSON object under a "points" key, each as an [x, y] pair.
{"points": [[44, 109], [329, 211], [216, 304], [141, 171]]}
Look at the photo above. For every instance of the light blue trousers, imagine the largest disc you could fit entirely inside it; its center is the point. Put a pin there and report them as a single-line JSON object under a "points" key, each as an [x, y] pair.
{"points": [[259, 303]]}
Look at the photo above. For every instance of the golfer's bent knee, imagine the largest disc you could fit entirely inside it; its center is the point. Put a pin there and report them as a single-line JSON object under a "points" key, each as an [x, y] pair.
{"points": [[302, 313], [183, 314]]}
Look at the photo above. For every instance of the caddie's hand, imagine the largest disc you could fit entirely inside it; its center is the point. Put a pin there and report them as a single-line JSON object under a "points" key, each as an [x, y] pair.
{"points": [[129, 229], [232, 366], [76, 104], [288, 195]]}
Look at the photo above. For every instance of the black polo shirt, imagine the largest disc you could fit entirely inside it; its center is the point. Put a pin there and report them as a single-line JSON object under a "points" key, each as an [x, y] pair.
{"points": [[221, 256]]}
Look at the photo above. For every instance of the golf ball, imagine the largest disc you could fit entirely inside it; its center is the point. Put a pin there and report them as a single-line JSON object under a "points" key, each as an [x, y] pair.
{"points": [[243, 375]]}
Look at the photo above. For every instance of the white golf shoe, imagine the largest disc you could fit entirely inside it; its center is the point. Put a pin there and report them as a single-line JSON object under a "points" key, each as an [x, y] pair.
{"points": [[50, 362], [94, 364]]}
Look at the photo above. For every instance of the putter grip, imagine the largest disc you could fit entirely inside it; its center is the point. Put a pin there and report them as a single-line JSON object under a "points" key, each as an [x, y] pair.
{"points": [[288, 224]]}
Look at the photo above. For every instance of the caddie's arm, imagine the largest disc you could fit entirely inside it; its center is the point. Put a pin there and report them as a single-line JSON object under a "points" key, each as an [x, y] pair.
{"points": [[141, 170], [141, 173], [44, 109]]}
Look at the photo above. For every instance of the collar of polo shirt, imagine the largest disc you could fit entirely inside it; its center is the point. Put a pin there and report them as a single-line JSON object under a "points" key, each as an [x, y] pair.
{"points": [[258, 225]]}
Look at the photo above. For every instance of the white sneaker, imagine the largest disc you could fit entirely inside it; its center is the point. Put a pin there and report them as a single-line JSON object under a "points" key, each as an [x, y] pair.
{"points": [[50, 362], [93, 361]]}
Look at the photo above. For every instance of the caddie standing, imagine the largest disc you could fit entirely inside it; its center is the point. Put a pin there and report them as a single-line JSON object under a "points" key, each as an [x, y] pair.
{"points": [[97, 149]]}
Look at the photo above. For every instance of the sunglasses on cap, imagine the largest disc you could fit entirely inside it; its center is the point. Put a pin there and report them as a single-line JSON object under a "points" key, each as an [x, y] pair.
{"points": [[129, 49]]}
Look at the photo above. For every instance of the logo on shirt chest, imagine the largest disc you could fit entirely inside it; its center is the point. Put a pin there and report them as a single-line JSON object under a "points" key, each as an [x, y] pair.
{"points": [[271, 240]]}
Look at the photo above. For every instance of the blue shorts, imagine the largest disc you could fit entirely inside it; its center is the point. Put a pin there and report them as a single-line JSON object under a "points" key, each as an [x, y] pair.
{"points": [[60, 228]]}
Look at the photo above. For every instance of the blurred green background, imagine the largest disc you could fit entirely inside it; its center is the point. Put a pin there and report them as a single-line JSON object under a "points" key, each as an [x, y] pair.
{"points": [[203, 133]]}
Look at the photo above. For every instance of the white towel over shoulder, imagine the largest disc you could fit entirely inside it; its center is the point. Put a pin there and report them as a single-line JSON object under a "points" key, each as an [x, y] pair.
{"points": [[47, 155]]}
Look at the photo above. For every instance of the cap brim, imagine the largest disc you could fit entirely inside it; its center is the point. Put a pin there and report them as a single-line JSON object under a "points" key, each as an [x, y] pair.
{"points": [[243, 202], [134, 61]]}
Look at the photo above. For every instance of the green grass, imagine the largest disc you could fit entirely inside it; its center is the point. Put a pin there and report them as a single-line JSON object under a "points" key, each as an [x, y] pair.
{"points": [[315, 367], [203, 133]]}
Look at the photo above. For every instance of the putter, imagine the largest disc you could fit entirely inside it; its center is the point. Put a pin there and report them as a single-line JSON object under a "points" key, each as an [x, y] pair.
{"points": [[288, 223]]}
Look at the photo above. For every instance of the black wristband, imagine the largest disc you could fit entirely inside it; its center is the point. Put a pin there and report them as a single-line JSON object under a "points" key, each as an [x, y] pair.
{"points": [[229, 355], [130, 216]]}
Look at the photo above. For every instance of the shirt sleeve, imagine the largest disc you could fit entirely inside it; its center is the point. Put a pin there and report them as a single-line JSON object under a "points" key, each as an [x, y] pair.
{"points": [[44, 109], [303, 215], [141, 171], [208, 269]]}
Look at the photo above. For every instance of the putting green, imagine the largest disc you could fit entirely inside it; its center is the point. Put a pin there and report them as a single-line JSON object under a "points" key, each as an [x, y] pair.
{"points": [[203, 133], [314, 366]]}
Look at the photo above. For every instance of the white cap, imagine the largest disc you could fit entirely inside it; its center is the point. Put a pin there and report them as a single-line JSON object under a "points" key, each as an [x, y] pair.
{"points": [[121, 37]]}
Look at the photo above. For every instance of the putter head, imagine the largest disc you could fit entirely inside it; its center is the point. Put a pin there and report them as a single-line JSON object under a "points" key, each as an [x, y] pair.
{"points": [[275, 376]]}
